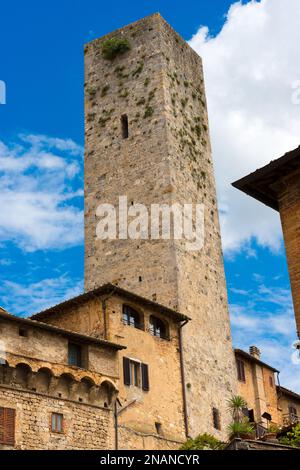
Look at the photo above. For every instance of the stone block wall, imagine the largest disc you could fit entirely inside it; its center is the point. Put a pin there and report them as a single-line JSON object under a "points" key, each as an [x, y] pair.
{"points": [[159, 85], [85, 427]]}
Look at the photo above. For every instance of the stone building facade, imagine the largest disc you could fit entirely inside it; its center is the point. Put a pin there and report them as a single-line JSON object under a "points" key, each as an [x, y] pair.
{"points": [[163, 157], [151, 407], [259, 385], [46, 402], [143, 359]]}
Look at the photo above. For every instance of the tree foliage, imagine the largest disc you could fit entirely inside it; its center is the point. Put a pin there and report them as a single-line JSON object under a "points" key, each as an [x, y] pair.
{"points": [[292, 438], [202, 442]]}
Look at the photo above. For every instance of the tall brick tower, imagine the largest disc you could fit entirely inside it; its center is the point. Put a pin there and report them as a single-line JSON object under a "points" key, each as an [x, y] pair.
{"points": [[147, 138]]}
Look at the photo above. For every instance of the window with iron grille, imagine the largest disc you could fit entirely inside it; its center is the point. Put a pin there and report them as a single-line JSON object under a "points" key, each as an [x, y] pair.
{"points": [[240, 370], [158, 327], [7, 426], [131, 317]]}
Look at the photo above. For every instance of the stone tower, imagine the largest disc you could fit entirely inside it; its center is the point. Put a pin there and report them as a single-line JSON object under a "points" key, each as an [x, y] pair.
{"points": [[147, 138]]}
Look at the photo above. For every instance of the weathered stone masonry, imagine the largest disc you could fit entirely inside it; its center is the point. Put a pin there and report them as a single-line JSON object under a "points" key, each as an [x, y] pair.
{"points": [[159, 85]]}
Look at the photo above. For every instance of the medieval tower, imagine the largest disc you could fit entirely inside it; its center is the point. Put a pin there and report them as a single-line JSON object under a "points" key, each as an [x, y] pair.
{"points": [[147, 138]]}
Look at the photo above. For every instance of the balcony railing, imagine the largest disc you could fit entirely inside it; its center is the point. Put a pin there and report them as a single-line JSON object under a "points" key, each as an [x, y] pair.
{"points": [[260, 430]]}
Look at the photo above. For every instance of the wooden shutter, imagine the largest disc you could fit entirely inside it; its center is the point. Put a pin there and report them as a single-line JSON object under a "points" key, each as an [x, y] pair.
{"points": [[241, 370], [7, 426], [126, 370], [145, 378]]}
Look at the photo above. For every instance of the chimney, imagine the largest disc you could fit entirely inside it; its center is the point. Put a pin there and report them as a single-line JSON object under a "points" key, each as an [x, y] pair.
{"points": [[255, 352]]}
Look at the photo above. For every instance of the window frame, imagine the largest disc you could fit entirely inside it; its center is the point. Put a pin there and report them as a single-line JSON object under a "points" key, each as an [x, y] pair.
{"points": [[240, 366], [135, 374], [8, 426], [131, 313], [153, 329], [83, 363], [55, 428]]}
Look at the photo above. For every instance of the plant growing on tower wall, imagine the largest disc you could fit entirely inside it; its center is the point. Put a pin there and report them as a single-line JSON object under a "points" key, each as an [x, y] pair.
{"points": [[113, 47]]}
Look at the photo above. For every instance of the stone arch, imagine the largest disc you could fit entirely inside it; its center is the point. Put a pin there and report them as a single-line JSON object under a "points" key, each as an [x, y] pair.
{"points": [[22, 376], [107, 393], [43, 379], [84, 389], [65, 385]]}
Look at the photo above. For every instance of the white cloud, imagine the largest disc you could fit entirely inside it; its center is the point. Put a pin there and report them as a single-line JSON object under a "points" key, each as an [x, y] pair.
{"points": [[40, 177], [250, 68], [265, 318], [36, 296]]}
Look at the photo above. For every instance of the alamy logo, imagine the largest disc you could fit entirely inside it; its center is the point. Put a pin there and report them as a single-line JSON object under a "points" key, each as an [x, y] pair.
{"points": [[2, 92], [158, 221]]}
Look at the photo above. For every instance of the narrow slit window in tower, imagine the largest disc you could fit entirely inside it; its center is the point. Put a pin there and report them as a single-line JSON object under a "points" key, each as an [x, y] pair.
{"points": [[124, 126]]}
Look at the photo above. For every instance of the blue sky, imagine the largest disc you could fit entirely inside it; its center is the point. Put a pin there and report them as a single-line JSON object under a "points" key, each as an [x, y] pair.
{"points": [[41, 144]]}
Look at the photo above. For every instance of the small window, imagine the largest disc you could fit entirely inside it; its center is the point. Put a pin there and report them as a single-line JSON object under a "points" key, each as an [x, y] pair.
{"points": [[75, 355], [23, 332], [131, 317], [216, 418], [240, 370], [136, 374], [292, 410], [158, 328], [7, 426], [124, 126], [57, 422]]}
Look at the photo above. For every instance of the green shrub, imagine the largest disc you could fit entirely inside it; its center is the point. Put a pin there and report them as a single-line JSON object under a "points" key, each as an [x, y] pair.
{"points": [[113, 47], [292, 438], [148, 112], [203, 441], [240, 429]]}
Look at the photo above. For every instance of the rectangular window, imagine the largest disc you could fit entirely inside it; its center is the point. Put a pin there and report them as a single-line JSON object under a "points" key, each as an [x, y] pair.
{"points": [[216, 418], [271, 381], [75, 355], [57, 422], [23, 332], [7, 426], [240, 370], [136, 374]]}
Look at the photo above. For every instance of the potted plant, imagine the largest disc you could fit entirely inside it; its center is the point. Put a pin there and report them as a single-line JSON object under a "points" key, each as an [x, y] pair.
{"points": [[241, 429], [271, 433], [236, 405]]}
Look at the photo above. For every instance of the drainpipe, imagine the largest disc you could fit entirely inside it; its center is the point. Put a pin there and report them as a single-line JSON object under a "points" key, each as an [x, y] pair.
{"points": [[116, 425], [184, 399], [116, 414]]}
